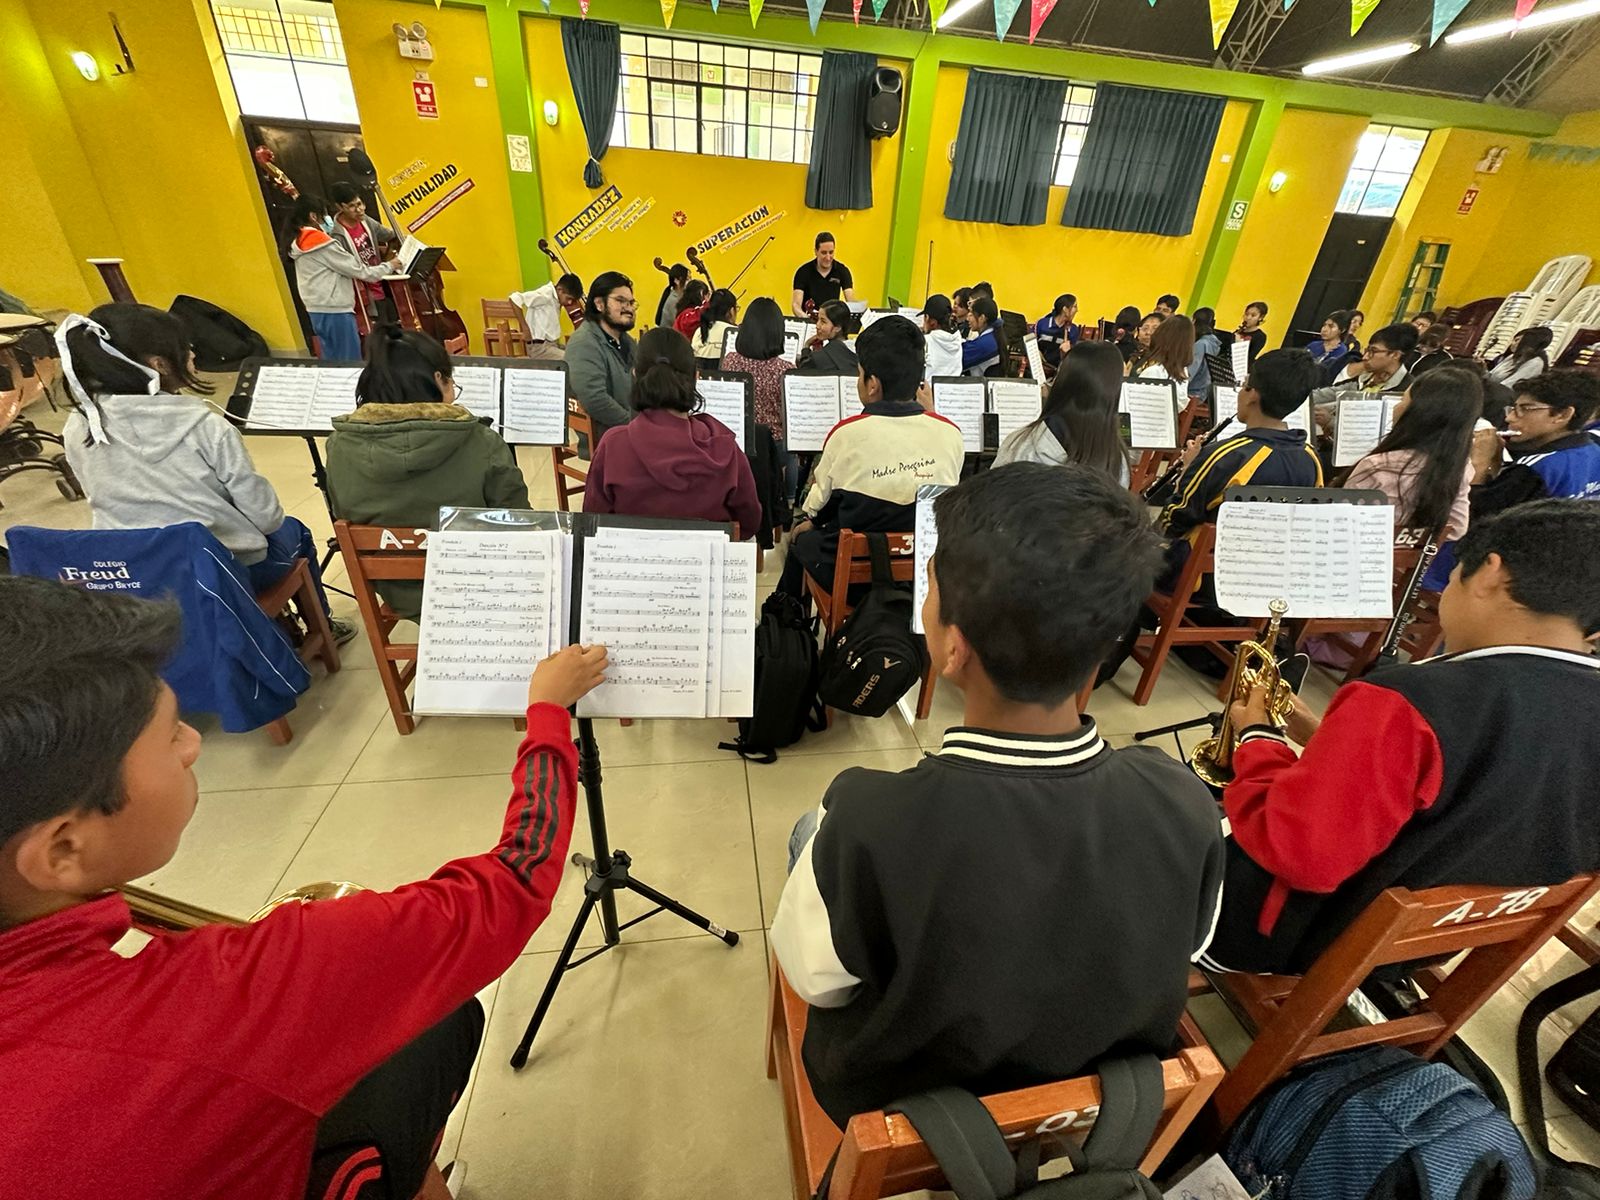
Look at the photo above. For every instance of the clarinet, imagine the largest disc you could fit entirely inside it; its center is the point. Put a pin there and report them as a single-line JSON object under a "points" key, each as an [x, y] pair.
{"points": [[1158, 489], [1389, 652]]}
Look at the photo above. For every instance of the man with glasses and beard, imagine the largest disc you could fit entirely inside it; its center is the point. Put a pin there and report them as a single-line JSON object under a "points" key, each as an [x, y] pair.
{"points": [[600, 354]]}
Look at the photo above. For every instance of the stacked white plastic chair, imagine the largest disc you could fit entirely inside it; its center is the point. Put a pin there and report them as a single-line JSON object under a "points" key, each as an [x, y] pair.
{"points": [[1552, 288], [1581, 312]]}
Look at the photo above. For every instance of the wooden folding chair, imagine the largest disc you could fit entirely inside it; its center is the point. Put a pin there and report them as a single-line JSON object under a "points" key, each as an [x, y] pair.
{"points": [[1499, 927], [881, 1155], [297, 589], [458, 345], [505, 330], [378, 552], [853, 565], [1362, 637], [1174, 628], [570, 478]]}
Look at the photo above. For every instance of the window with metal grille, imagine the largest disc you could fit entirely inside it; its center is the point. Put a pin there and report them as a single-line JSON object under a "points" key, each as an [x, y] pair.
{"points": [[1076, 110], [1381, 170], [286, 59], [715, 98]]}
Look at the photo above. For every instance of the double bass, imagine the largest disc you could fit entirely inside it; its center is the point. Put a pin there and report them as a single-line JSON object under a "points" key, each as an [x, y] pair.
{"points": [[574, 310]]}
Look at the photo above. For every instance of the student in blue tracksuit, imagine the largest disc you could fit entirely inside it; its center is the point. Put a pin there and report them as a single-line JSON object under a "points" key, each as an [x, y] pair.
{"points": [[1056, 330], [984, 351]]}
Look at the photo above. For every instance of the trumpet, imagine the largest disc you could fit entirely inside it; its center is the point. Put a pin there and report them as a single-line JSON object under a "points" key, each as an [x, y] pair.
{"points": [[1254, 665], [176, 916]]}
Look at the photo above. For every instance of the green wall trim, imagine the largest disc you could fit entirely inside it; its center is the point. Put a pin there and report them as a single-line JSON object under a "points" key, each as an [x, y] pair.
{"points": [[513, 90], [916, 127], [1250, 160]]}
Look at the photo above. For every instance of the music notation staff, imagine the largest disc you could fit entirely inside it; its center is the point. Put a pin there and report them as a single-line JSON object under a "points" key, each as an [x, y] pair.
{"points": [[1326, 560]]}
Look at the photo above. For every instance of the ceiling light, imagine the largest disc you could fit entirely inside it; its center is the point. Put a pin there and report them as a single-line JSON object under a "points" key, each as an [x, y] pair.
{"points": [[1362, 58], [955, 12], [1552, 14]]}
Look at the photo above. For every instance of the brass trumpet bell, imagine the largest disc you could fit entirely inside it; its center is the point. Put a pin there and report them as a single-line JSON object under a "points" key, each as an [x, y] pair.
{"points": [[1254, 665], [331, 889]]}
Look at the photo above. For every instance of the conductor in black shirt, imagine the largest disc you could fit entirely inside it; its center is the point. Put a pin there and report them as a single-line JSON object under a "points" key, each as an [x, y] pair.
{"points": [[822, 279]]}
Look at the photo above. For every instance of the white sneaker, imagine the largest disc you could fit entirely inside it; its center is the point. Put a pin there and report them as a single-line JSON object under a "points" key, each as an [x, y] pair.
{"points": [[343, 630]]}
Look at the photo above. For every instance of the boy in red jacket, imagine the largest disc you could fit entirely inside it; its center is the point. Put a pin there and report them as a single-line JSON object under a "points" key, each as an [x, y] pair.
{"points": [[1446, 771], [213, 1063]]}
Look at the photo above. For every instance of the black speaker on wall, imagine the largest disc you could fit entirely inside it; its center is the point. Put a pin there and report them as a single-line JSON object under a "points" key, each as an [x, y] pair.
{"points": [[883, 102]]}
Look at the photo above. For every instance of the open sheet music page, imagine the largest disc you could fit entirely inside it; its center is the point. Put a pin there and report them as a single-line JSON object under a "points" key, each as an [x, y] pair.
{"points": [[535, 403], [729, 337], [1358, 426], [804, 330], [1301, 419], [487, 619], [410, 247], [1326, 560], [925, 540], [735, 670], [1152, 410], [336, 394], [911, 313], [1239, 356], [282, 398], [962, 401], [1015, 402], [812, 407], [792, 342], [647, 600], [480, 391], [1224, 405], [1030, 344], [724, 399]]}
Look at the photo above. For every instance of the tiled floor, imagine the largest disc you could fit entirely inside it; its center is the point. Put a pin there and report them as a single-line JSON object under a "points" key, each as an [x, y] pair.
{"points": [[647, 1080]]}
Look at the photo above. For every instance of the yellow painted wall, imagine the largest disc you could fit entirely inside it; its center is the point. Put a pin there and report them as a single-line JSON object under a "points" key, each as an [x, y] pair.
{"points": [[1283, 231], [709, 192], [1430, 211], [476, 228], [167, 163], [1553, 210], [1031, 265]]}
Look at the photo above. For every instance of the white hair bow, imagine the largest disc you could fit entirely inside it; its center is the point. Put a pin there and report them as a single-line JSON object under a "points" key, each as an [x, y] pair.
{"points": [[87, 404]]}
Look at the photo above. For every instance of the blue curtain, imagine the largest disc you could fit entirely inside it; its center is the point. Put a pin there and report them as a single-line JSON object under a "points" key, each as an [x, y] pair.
{"points": [[1005, 149], [840, 175], [594, 61], [1144, 160]]}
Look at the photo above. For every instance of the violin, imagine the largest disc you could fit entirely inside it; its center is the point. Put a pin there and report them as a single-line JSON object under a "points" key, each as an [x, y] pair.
{"points": [[699, 265]]}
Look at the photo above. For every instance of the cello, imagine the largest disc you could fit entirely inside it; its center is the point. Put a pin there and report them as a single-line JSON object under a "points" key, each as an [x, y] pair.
{"points": [[699, 265], [573, 310]]}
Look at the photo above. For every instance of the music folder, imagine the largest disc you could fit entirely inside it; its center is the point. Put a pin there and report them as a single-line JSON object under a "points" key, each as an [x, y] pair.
{"points": [[963, 399], [1151, 406], [813, 404]]}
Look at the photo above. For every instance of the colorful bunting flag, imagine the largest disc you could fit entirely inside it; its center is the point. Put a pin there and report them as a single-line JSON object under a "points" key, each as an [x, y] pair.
{"points": [[1444, 11], [855, 11], [583, 6], [755, 12], [814, 11], [713, 6], [877, 9], [668, 7], [546, 4], [1221, 14], [1005, 11], [1524, 7], [1041, 10], [935, 11], [1360, 10]]}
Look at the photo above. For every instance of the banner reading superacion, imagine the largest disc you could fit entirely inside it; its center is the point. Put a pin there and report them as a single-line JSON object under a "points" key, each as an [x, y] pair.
{"points": [[746, 226]]}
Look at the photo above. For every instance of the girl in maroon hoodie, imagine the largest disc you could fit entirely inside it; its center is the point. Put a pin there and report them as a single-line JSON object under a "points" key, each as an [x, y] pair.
{"points": [[671, 460]]}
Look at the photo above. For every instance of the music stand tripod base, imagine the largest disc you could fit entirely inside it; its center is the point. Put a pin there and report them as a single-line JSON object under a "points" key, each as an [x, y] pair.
{"points": [[609, 872]]}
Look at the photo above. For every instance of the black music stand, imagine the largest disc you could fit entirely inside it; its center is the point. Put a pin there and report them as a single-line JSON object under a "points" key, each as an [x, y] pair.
{"points": [[610, 870]]}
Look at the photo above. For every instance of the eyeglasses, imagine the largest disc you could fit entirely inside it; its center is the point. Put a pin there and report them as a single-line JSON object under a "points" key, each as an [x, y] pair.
{"points": [[1371, 350], [624, 301], [1523, 410], [455, 392]]}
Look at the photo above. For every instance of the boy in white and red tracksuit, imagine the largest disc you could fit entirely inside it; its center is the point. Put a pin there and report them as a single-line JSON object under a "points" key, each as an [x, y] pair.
{"points": [[216, 1063], [1446, 771]]}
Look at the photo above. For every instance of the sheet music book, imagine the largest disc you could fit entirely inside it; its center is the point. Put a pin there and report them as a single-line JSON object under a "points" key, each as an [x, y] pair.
{"points": [[1326, 560], [813, 405], [675, 609], [410, 247], [924, 541], [961, 398], [1224, 404], [1239, 356], [525, 400], [729, 336], [1015, 403], [1152, 408], [1359, 424], [728, 398], [875, 314], [912, 314], [1030, 344], [804, 330], [792, 342], [1300, 419]]}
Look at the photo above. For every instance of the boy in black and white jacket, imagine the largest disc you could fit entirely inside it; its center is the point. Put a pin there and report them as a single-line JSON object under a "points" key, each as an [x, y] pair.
{"points": [[1028, 900], [871, 465]]}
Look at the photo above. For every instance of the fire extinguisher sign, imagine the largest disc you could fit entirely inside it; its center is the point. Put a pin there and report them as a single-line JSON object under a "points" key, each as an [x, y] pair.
{"points": [[427, 101]]}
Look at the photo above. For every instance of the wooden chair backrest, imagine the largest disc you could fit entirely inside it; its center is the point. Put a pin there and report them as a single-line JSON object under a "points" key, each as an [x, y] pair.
{"points": [[1500, 928], [504, 312], [373, 552], [570, 479], [500, 340], [458, 345], [853, 565]]}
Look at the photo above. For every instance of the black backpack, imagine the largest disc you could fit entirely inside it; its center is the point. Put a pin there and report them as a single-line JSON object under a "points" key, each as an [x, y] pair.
{"points": [[785, 703], [1574, 1073], [978, 1165], [874, 658], [221, 340]]}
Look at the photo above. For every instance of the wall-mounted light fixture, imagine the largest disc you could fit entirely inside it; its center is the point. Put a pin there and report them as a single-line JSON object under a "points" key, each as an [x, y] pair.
{"points": [[551, 112], [1275, 184], [413, 41], [87, 67]]}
